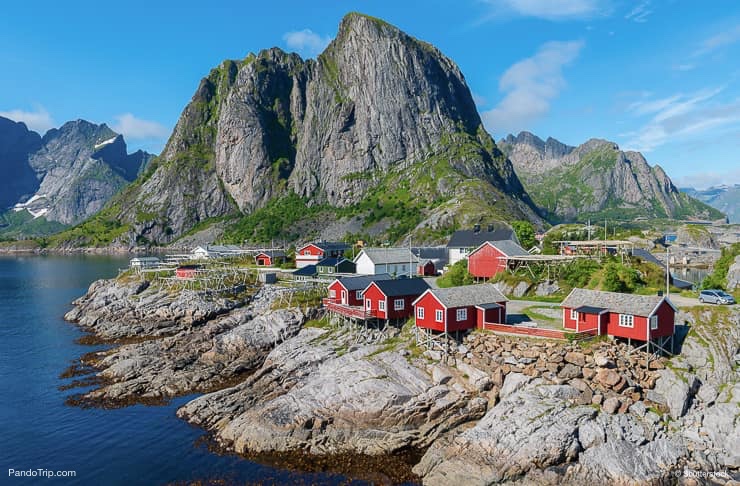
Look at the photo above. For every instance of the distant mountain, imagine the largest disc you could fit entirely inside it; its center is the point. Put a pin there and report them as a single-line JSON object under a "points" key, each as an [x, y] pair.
{"points": [[725, 198], [597, 180], [378, 135], [61, 178]]}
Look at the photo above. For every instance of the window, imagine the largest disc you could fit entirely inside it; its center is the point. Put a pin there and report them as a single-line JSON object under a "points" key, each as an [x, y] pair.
{"points": [[306, 252], [368, 304], [358, 294], [381, 305], [626, 320], [439, 315], [462, 314], [653, 323], [398, 304], [332, 294], [331, 269], [463, 251], [574, 314], [420, 313]]}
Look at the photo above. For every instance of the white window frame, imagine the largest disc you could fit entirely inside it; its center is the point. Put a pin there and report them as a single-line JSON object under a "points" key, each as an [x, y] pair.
{"points": [[653, 323], [574, 314], [368, 304], [358, 294], [399, 304], [381, 305], [439, 315], [461, 314], [626, 320], [420, 313], [307, 252], [332, 294]]}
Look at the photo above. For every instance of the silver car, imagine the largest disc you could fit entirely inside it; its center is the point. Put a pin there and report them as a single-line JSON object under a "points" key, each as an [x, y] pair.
{"points": [[715, 297]]}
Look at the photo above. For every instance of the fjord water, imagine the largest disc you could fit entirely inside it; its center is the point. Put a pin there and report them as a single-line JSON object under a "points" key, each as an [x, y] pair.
{"points": [[132, 445]]}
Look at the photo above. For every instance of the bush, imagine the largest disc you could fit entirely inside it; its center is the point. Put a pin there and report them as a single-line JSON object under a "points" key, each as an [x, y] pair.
{"points": [[619, 278], [456, 276], [525, 233], [579, 272], [718, 278]]}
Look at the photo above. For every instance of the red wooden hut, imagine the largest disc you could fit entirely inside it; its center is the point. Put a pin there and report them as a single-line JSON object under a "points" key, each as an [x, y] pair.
{"points": [[460, 308], [313, 253], [490, 258], [187, 271], [427, 269], [269, 258], [393, 299]]}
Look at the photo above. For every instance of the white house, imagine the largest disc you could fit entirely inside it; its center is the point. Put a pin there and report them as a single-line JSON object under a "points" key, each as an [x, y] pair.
{"points": [[393, 261], [463, 242], [215, 251], [143, 262]]}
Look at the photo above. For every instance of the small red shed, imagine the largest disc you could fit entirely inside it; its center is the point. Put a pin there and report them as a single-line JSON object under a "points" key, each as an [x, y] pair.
{"points": [[460, 308], [187, 271], [393, 299], [427, 269], [269, 258], [647, 318], [491, 258]]}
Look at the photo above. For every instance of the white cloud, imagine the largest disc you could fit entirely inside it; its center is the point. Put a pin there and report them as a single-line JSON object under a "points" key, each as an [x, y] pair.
{"points": [[639, 12], [704, 180], [133, 128], [38, 120], [551, 9], [681, 116], [480, 100], [306, 42], [530, 85], [718, 41]]}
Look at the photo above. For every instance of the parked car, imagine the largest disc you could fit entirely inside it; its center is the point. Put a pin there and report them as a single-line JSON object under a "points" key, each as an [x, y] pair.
{"points": [[715, 297]]}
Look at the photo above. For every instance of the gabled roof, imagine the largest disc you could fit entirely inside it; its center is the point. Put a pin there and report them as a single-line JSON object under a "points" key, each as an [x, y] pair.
{"points": [[361, 282], [402, 287], [327, 245], [467, 295], [307, 271], [472, 239], [437, 254], [330, 262], [381, 256], [639, 305], [272, 253], [507, 247]]}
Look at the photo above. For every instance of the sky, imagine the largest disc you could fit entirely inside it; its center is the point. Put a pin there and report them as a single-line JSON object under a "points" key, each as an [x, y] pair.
{"points": [[660, 77]]}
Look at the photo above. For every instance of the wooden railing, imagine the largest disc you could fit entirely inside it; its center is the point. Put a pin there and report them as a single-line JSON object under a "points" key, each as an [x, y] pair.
{"points": [[347, 310], [539, 332]]}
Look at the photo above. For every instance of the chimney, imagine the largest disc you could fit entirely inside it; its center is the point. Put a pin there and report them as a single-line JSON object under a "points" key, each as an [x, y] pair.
{"points": [[490, 228], [476, 229]]}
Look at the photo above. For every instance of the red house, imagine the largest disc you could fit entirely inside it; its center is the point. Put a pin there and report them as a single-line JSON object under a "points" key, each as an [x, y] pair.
{"points": [[187, 271], [269, 258], [460, 308], [426, 268], [313, 253], [393, 299], [646, 318], [348, 290], [491, 258]]}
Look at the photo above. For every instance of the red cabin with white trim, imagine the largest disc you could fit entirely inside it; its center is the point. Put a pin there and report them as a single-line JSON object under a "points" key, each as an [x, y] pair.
{"points": [[269, 258], [460, 308], [393, 299], [491, 258], [313, 253]]}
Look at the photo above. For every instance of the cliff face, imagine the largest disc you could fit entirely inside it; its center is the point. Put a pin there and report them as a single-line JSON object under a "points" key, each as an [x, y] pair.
{"points": [[597, 179], [376, 110], [63, 177]]}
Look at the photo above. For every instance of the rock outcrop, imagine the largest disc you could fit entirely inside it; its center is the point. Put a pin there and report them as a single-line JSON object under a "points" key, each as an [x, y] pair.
{"points": [[375, 112], [597, 178]]}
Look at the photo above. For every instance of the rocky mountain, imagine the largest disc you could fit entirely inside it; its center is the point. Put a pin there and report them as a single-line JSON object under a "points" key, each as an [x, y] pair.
{"points": [[725, 198], [379, 132], [596, 180], [63, 177]]}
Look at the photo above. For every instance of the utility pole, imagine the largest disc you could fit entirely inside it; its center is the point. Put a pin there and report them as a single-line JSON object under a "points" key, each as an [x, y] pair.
{"points": [[667, 271], [589, 230], [605, 235]]}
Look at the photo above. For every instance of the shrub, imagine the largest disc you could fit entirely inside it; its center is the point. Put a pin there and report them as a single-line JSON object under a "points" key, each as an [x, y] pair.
{"points": [[456, 276]]}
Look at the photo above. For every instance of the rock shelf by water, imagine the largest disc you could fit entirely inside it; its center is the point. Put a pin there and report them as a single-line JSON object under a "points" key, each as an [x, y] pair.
{"points": [[499, 409]]}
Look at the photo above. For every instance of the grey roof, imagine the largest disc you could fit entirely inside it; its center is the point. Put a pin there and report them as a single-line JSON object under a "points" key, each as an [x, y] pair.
{"points": [[438, 254], [402, 286], [639, 305], [328, 245], [307, 271], [469, 295], [472, 239], [509, 248], [587, 309], [380, 256], [492, 305], [361, 282], [331, 262]]}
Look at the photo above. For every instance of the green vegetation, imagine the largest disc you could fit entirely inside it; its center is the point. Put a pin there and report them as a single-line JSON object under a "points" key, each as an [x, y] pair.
{"points": [[100, 230], [620, 278], [456, 275], [525, 233], [579, 273], [21, 224], [718, 278]]}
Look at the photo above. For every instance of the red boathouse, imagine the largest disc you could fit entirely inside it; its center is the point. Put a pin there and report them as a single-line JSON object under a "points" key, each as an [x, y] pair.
{"points": [[491, 258], [393, 299]]}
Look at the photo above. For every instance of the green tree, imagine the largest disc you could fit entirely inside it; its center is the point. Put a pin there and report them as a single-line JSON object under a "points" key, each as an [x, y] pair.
{"points": [[456, 276], [525, 233], [620, 278], [718, 278]]}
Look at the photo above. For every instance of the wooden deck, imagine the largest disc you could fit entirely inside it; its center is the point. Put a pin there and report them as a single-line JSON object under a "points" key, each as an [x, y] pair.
{"points": [[355, 312], [538, 331]]}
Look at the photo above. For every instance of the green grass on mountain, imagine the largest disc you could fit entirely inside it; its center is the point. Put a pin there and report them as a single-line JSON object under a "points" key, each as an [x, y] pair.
{"points": [[19, 225]]}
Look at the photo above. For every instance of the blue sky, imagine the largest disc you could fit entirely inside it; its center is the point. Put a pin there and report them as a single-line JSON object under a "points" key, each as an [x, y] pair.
{"points": [[662, 77]]}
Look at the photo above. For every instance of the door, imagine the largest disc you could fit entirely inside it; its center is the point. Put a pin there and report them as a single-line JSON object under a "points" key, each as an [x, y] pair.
{"points": [[344, 297]]}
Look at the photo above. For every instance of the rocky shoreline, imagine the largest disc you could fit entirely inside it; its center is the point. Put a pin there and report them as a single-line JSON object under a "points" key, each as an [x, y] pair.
{"points": [[278, 382]]}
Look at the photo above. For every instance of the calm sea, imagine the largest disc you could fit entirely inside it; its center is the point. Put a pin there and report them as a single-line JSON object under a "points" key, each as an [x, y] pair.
{"points": [[134, 445]]}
